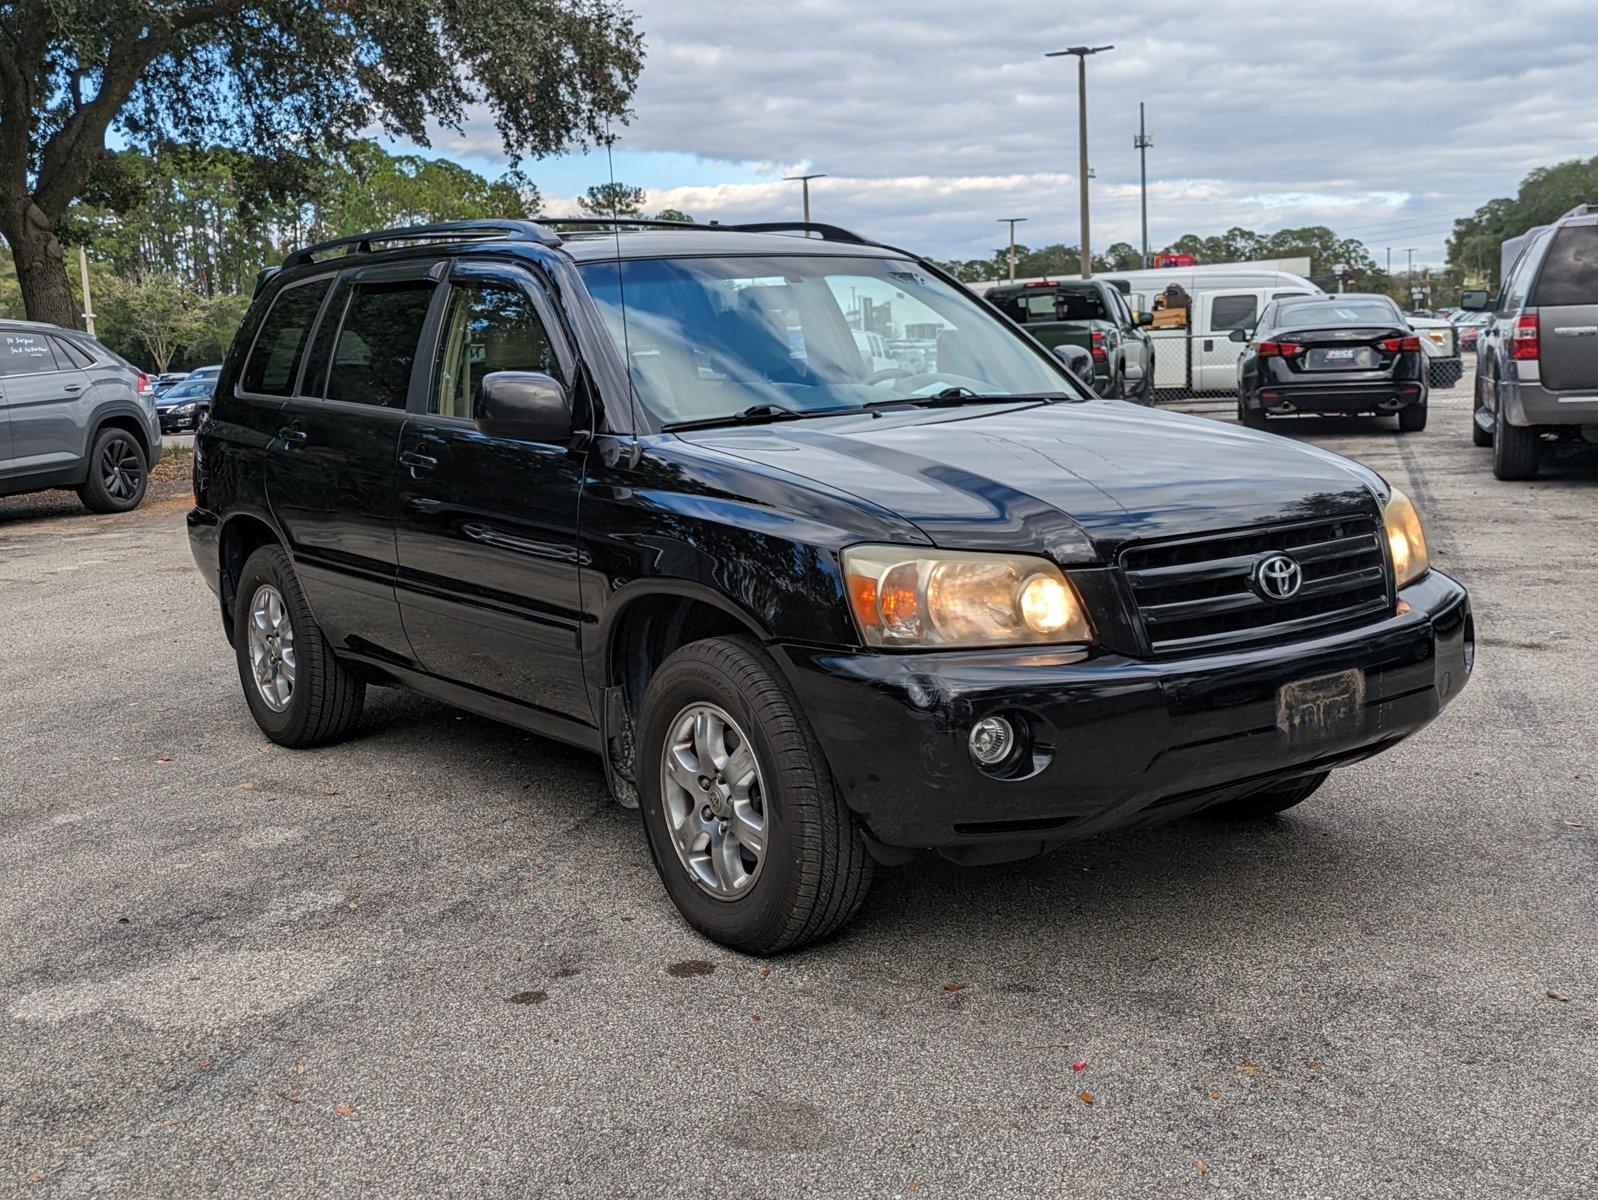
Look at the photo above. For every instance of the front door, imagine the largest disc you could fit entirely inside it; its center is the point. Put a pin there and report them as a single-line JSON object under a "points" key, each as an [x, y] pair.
{"points": [[488, 580], [330, 479], [42, 392], [1215, 355]]}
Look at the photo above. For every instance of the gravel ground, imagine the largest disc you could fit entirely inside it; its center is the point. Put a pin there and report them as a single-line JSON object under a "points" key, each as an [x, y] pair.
{"points": [[436, 960]]}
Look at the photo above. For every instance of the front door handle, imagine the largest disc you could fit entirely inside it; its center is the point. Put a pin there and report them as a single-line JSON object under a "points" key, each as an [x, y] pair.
{"points": [[293, 435], [417, 461], [72, 387]]}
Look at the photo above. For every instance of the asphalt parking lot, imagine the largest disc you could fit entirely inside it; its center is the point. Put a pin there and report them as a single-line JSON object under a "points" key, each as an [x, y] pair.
{"points": [[436, 960]]}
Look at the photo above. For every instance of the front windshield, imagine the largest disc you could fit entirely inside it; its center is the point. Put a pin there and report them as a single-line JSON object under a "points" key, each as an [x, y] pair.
{"points": [[1327, 314], [707, 338]]}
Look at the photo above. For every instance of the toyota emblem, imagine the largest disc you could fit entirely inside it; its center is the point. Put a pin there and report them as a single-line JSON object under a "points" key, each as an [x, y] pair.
{"points": [[1278, 577]]}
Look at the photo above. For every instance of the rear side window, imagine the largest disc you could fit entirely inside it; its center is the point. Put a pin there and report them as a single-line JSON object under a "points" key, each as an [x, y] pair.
{"points": [[376, 346], [24, 353], [1570, 269], [68, 352], [1520, 277], [275, 357]]}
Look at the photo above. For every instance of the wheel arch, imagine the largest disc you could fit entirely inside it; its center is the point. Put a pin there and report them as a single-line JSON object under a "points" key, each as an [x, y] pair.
{"points": [[126, 419], [241, 535]]}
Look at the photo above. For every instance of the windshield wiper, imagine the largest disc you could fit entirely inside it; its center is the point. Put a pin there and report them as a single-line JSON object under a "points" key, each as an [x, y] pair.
{"points": [[953, 397], [759, 414]]}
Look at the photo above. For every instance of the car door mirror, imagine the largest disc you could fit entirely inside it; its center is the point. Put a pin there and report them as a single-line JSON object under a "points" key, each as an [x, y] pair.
{"points": [[1476, 301], [1145, 319], [1238, 335], [1077, 360], [524, 406]]}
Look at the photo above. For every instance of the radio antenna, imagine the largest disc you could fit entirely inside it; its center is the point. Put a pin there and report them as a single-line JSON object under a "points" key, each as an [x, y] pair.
{"points": [[621, 286]]}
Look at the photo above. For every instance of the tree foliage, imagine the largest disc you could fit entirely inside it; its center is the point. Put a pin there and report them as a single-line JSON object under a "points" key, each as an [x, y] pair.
{"points": [[157, 312], [1544, 194], [612, 200], [266, 76]]}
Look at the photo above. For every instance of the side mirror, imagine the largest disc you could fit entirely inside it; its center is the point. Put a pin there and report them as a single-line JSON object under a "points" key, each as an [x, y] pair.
{"points": [[1476, 301], [1237, 335], [1078, 361], [1145, 319], [524, 406]]}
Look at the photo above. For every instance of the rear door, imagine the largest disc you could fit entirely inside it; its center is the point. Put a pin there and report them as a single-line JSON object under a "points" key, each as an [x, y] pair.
{"points": [[41, 396], [330, 476], [1566, 298], [1215, 355], [488, 580]]}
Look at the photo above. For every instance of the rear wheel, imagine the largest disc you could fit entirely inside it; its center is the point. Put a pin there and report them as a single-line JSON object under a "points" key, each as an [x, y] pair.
{"points": [[1413, 418], [1478, 435], [1254, 418], [1271, 800], [752, 841], [118, 473], [298, 693], [1516, 448]]}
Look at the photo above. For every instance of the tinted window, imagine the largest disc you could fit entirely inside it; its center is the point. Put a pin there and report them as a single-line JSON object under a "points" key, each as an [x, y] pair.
{"points": [[1232, 312], [487, 327], [1322, 314], [376, 345], [24, 353], [314, 381], [69, 352], [275, 358], [1570, 270], [1514, 295]]}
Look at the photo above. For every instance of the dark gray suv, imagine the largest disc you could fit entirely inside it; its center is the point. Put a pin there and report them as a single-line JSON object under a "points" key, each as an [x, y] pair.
{"points": [[73, 415], [1537, 362]]}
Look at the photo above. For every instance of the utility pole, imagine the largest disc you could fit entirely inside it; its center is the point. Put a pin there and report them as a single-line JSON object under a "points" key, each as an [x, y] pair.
{"points": [[1141, 144], [1081, 53], [804, 181], [1409, 273], [88, 304], [1012, 222], [1389, 261]]}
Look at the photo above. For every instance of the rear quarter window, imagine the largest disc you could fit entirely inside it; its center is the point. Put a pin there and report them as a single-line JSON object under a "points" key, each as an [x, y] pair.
{"points": [[1570, 269], [275, 358]]}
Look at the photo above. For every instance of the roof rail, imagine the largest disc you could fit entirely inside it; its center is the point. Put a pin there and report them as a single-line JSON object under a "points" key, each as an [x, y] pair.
{"points": [[1581, 210], [644, 222], [829, 233], [443, 231]]}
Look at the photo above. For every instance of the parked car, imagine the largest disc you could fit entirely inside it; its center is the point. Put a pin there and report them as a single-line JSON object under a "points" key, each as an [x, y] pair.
{"points": [[811, 618], [183, 407], [1470, 326], [1093, 315], [210, 372], [1352, 353], [73, 415], [160, 383], [1537, 361], [1439, 342]]}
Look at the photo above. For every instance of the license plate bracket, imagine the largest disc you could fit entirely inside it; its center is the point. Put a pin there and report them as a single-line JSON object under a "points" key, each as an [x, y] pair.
{"points": [[1321, 709]]}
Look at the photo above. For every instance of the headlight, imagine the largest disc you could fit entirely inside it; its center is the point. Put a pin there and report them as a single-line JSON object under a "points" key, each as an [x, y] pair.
{"points": [[1405, 539], [903, 596]]}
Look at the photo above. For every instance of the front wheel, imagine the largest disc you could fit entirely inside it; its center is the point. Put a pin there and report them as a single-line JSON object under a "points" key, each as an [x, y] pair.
{"points": [[298, 692], [752, 841], [1269, 801]]}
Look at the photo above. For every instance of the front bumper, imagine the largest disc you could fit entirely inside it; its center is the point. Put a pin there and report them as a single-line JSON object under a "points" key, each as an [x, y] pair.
{"points": [[1132, 741], [181, 423]]}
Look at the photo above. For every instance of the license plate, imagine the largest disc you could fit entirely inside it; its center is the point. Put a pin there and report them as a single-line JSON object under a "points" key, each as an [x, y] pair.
{"points": [[1321, 709], [1339, 355]]}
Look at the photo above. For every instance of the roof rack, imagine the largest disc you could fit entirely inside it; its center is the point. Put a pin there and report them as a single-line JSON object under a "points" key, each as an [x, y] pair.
{"points": [[829, 233], [453, 231]]}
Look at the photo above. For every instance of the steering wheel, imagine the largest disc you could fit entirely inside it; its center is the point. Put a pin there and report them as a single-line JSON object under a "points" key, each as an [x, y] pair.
{"points": [[886, 374]]}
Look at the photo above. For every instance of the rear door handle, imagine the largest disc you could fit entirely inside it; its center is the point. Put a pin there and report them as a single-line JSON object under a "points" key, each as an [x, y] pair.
{"points": [[417, 461], [294, 435]]}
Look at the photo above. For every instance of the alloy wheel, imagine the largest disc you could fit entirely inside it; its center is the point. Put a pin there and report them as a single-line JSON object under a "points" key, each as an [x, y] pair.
{"points": [[120, 468], [271, 641], [713, 799]]}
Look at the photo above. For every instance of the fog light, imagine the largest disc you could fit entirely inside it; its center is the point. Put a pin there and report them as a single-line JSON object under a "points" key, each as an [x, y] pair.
{"points": [[992, 739]]}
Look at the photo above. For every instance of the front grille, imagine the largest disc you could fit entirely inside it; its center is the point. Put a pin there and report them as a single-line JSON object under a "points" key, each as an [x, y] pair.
{"points": [[1195, 593]]}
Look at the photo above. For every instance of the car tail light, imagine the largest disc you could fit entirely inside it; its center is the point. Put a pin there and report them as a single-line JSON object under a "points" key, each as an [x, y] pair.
{"points": [[1523, 338], [1279, 349], [1039, 283], [1097, 346], [143, 385], [1399, 344]]}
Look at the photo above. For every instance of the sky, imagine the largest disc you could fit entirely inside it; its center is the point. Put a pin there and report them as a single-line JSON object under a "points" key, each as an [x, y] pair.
{"points": [[934, 119]]}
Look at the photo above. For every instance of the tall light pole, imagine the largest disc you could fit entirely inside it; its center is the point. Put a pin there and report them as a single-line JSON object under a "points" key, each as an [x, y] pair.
{"points": [[805, 181], [1012, 222], [1081, 53], [1141, 144]]}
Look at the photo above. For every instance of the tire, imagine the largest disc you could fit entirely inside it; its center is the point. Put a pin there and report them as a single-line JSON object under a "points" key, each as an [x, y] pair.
{"points": [[1413, 418], [1145, 394], [1478, 435], [1251, 418], [813, 871], [119, 473], [323, 700], [1516, 449], [1267, 802]]}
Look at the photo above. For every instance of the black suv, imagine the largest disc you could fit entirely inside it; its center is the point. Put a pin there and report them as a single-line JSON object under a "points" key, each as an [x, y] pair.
{"points": [[641, 490]]}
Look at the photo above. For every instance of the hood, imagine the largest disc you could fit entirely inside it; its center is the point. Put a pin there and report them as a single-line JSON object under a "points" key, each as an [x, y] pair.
{"points": [[1074, 481]]}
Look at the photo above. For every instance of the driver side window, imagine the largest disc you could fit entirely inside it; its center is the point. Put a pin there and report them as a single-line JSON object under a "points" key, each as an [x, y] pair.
{"points": [[487, 327]]}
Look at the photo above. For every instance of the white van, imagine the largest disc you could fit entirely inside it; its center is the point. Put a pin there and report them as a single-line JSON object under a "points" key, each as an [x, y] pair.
{"points": [[1200, 357]]}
